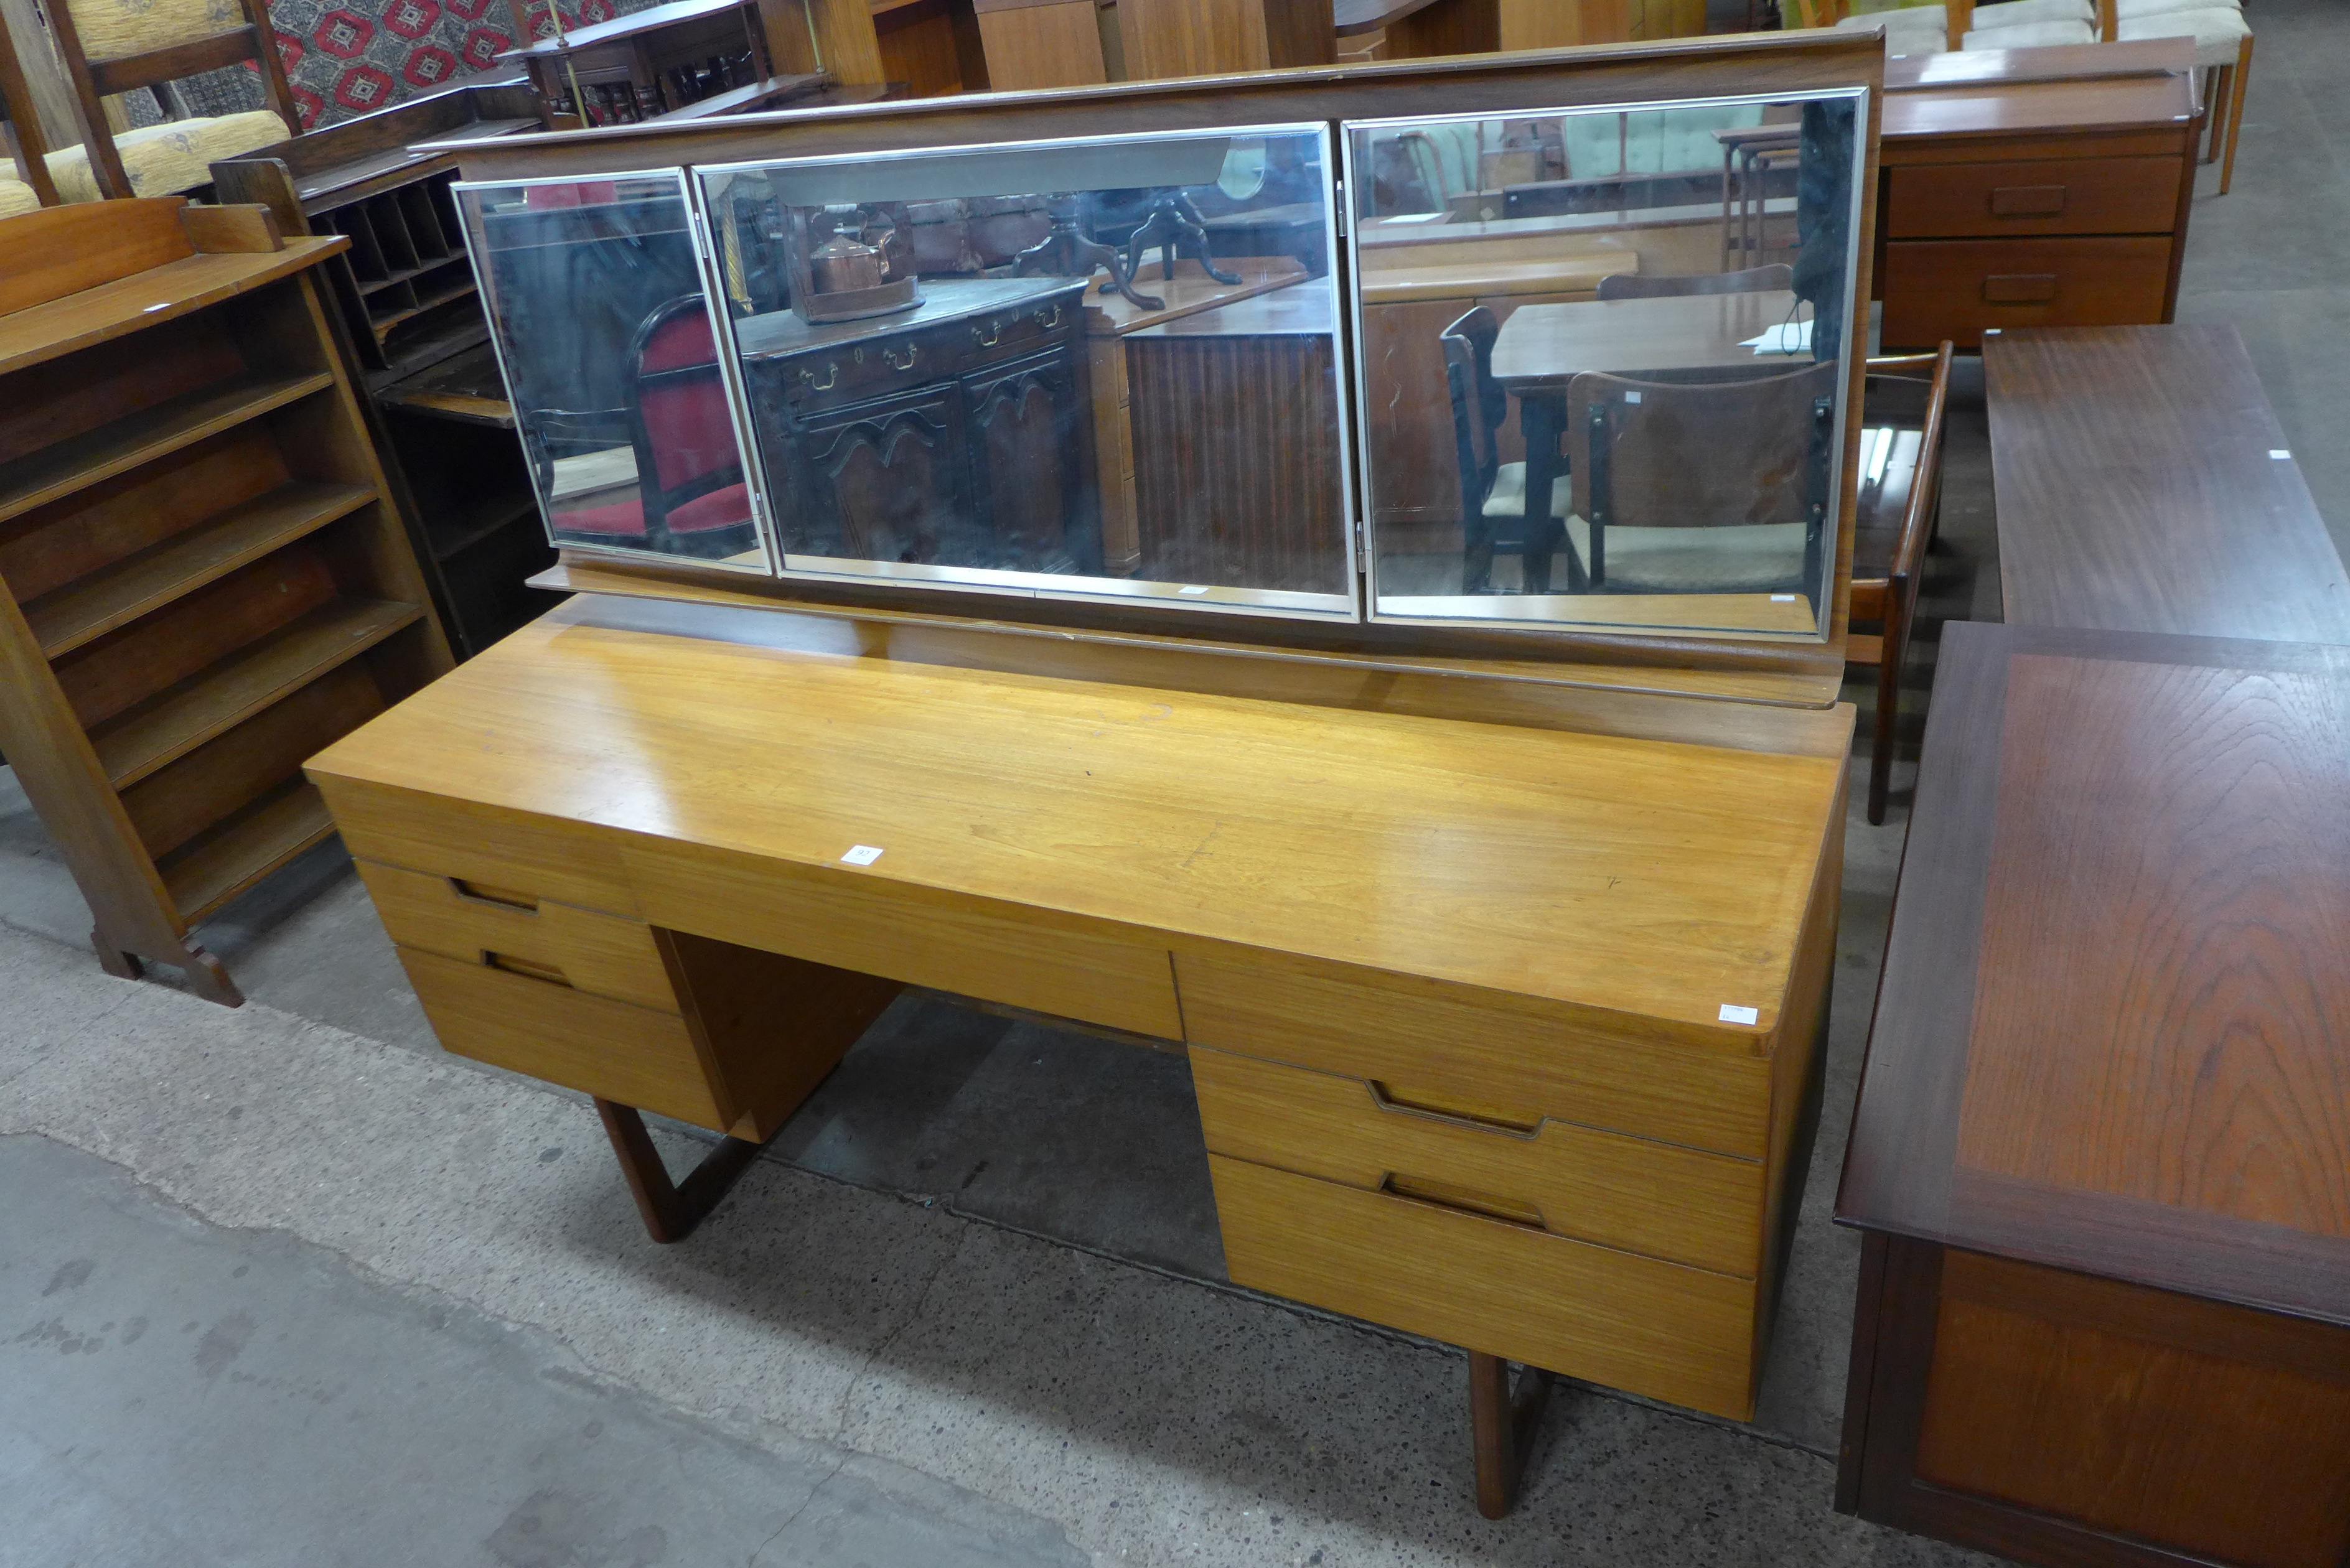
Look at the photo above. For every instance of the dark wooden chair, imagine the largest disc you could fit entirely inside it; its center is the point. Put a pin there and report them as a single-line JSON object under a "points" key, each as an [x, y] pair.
{"points": [[1492, 492], [1644, 285], [691, 499], [24, 121], [172, 41], [1700, 487], [1900, 502]]}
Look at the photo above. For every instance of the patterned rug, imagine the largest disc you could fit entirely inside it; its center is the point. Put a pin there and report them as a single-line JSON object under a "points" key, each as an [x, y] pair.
{"points": [[345, 58]]}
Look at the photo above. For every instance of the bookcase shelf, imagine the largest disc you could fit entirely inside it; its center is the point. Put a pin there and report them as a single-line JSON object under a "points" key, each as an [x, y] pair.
{"points": [[204, 576]]}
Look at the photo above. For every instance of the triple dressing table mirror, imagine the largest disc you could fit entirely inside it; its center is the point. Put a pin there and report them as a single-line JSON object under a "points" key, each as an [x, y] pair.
{"points": [[1565, 376]]}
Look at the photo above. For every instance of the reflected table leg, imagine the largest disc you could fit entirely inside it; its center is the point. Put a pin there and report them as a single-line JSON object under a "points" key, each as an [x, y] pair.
{"points": [[1540, 415]]}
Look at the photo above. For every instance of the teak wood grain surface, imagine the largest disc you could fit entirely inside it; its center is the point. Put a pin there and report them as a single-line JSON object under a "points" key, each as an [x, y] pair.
{"points": [[2114, 1029], [2168, 502], [1452, 852]]}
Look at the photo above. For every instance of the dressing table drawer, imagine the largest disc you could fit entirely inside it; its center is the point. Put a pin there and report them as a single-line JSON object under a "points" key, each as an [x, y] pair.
{"points": [[1665, 1330], [604, 955], [1959, 289], [1512, 1059], [614, 1050], [543, 857], [1660, 1200]]}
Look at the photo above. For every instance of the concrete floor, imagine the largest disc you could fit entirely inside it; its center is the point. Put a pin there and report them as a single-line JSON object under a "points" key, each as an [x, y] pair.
{"points": [[288, 1285]]}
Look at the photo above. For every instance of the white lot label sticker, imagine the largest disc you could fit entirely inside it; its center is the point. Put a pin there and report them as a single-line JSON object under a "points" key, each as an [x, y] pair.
{"points": [[1782, 598], [867, 854], [1194, 590], [2281, 454], [1738, 1014]]}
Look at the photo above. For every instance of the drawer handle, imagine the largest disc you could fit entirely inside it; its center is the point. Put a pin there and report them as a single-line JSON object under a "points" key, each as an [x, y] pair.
{"points": [[529, 969], [482, 893], [831, 374], [2027, 200], [913, 350], [2019, 288], [1483, 1119], [1049, 320], [1444, 1195], [991, 336]]}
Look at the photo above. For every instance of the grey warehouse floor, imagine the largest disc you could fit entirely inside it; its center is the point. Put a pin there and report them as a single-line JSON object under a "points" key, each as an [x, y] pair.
{"points": [[288, 1285]]}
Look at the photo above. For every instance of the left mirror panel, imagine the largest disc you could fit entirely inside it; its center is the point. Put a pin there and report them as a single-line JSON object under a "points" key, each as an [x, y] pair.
{"points": [[623, 402]]}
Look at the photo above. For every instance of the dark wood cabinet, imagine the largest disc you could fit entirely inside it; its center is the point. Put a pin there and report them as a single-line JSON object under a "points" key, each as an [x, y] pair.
{"points": [[959, 433], [885, 482], [1237, 465]]}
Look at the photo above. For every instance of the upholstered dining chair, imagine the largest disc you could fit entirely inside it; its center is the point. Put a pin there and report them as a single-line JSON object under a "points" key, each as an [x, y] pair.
{"points": [[1492, 492], [1900, 503], [2223, 55], [1651, 285], [691, 496], [1700, 487], [112, 46]]}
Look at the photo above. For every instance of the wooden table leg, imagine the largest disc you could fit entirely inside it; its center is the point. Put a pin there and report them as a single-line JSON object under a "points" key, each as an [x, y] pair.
{"points": [[1540, 415], [1503, 1421], [671, 1210]]}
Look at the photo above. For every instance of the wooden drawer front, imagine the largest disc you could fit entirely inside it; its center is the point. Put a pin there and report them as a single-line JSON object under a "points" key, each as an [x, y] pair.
{"points": [[601, 954], [1476, 1048], [545, 856], [1025, 957], [1704, 1209], [1955, 288], [2047, 196], [592, 1044], [1671, 1332]]}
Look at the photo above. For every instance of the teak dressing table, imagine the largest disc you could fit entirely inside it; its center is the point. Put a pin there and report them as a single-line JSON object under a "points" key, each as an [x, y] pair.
{"points": [[1500, 956]]}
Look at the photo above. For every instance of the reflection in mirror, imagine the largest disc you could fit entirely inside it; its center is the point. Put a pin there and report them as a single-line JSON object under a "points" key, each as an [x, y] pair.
{"points": [[598, 311], [1105, 368], [1602, 357]]}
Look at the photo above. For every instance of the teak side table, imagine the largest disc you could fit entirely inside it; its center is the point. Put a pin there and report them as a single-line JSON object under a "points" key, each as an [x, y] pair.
{"points": [[203, 578], [2102, 1150]]}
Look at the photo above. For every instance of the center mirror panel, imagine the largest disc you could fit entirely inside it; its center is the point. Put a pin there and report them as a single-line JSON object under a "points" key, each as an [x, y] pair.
{"points": [[1102, 368], [1605, 362]]}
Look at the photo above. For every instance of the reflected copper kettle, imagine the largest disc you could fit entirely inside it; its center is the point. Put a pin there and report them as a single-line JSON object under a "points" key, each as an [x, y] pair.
{"points": [[844, 262]]}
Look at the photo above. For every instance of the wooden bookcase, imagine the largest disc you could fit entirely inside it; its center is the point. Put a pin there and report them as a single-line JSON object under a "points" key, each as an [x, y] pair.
{"points": [[204, 577], [408, 301]]}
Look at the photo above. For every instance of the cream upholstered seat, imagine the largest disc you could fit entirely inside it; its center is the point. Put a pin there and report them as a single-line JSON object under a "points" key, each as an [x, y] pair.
{"points": [[2023, 13], [176, 155], [1508, 496], [15, 197], [1910, 30], [2029, 36], [2223, 51], [1750, 557]]}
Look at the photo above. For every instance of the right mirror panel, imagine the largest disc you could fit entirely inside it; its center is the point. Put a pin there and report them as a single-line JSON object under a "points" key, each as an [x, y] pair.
{"points": [[1603, 362]]}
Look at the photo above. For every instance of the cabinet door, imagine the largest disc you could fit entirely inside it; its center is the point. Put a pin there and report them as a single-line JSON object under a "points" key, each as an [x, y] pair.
{"points": [[1032, 440], [884, 482]]}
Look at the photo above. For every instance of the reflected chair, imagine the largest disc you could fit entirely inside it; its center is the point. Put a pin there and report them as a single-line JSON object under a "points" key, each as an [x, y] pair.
{"points": [[1492, 492], [691, 499], [1647, 285], [1700, 487], [112, 46], [1900, 503]]}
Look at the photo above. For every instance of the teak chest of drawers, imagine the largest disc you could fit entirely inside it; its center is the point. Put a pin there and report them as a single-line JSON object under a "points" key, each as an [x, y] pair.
{"points": [[1502, 1033], [2034, 188]]}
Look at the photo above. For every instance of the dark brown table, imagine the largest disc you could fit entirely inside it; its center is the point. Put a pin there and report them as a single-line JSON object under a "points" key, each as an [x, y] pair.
{"points": [[2102, 1150], [2143, 484]]}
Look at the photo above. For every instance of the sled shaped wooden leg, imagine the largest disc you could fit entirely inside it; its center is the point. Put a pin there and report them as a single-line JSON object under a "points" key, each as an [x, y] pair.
{"points": [[671, 1210], [1504, 1421], [207, 976]]}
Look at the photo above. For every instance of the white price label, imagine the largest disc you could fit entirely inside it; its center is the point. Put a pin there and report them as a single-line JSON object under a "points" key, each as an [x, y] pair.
{"points": [[1738, 1014], [867, 854]]}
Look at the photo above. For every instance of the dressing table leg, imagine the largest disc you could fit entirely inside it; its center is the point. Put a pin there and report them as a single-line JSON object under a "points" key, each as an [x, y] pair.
{"points": [[671, 1210], [1504, 1421]]}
